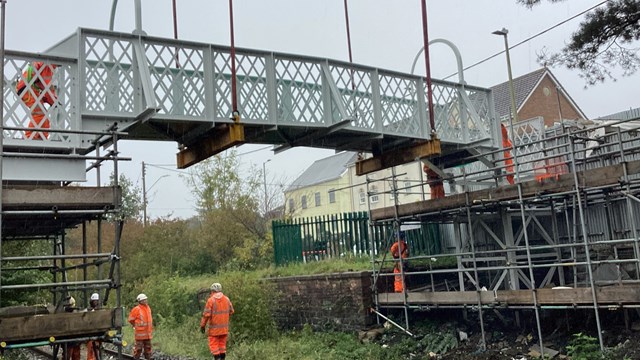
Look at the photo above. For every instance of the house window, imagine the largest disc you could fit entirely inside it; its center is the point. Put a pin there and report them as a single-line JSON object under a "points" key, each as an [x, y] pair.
{"points": [[363, 197], [292, 205], [407, 190], [304, 201], [317, 198], [374, 194], [332, 196]]}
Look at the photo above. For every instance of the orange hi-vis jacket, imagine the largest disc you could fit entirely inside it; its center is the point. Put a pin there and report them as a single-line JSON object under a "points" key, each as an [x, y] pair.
{"points": [[404, 250], [436, 186], [34, 89], [398, 283], [38, 76], [216, 314], [508, 161], [140, 318]]}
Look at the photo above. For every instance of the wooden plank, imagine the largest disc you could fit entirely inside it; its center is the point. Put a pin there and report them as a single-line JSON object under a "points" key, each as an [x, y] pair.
{"points": [[612, 295], [398, 157], [67, 197], [41, 327], [220, 139], [577, 296], [440, 298], [609, 175]]}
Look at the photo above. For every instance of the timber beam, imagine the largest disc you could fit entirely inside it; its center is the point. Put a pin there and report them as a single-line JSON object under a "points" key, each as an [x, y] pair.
{"points": [[400, 156], [221, 138]]}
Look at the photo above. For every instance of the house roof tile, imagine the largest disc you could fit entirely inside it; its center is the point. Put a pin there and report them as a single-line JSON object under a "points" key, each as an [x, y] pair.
{"points": [[523, 86]]}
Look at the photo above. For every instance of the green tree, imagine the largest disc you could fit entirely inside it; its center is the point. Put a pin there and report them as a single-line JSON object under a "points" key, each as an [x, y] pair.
{"points": [[233, 231], [131, 197], [12, 276], [604, 40]]}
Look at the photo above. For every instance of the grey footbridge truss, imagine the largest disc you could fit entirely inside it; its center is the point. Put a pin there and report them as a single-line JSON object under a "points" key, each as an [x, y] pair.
{"points": [[163, 89]]}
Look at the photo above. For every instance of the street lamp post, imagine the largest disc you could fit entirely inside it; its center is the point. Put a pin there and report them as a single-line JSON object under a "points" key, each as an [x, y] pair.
{"points": [[512, 92], [514, 118], [264, 181]]}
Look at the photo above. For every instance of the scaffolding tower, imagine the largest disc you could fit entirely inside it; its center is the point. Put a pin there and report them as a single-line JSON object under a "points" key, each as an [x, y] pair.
{"points": [[562, 236], [39, 269]]}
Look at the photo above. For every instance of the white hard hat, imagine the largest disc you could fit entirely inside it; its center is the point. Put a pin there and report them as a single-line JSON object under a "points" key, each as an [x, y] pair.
{"points": [[141, 297], [216, 287], [95, 296], [70, 302]]}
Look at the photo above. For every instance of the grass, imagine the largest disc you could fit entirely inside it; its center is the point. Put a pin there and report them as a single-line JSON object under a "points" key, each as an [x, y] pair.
{"points": [[302, 345], [254, 335]]}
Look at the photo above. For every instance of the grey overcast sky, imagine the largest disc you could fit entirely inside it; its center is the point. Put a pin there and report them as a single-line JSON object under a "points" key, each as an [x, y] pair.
{"points": [[384, 33]]}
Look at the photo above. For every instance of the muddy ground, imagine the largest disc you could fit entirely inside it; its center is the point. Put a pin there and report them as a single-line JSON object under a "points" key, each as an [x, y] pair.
{"points": [[442, 335]]}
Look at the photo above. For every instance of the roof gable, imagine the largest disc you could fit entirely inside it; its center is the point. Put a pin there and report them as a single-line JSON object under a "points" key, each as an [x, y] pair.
{"points": [[323, 170], [523, 86]]}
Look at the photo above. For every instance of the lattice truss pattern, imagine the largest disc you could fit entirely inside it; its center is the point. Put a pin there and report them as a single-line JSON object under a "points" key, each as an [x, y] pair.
{"points": [[120, 76], [19, 110], [299, 91], [400, 106], [109, 72], [177, 76], [530, 151], [461, 115]]}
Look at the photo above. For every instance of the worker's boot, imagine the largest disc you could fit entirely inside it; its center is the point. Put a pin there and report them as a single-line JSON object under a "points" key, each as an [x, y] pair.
{"points": [[222, 356]]}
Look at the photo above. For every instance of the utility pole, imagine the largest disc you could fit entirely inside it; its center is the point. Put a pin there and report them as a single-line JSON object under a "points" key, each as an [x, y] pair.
{"points": [[144, 195], [264, 181]]}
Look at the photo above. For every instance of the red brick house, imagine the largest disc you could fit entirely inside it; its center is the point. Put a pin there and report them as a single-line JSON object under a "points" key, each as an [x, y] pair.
{"points": [[538, 93]]}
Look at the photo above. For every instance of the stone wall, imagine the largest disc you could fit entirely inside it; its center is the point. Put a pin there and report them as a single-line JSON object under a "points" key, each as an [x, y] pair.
{"points": [[326, 302]]}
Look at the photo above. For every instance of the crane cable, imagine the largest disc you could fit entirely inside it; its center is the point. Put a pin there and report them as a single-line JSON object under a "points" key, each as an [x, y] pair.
{"points": [[175, 30], [529, 38]]}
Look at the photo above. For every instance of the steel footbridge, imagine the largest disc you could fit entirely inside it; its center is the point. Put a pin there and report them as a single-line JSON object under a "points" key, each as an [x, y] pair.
{"points": [[152, 88]]}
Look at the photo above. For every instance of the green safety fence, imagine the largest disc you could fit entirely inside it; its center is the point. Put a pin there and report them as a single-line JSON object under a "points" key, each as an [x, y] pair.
{"points": [[346, 234]]}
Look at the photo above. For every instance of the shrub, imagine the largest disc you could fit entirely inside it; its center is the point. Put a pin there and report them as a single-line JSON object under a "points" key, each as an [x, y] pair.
{"points": [[584, 347]]}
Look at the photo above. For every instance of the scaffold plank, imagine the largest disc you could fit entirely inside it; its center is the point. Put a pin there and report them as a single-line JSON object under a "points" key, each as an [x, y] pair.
{"points": [[27, 197], [37, 327], [611, 295]]}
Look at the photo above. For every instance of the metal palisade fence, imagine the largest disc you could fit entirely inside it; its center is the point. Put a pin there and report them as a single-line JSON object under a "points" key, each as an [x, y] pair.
{"points": [[346, 234]]}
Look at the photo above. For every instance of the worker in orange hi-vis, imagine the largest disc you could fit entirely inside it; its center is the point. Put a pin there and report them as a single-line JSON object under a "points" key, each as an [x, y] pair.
{"points": [[399, 249], [142, 321], [71, 349], [435, 182], [215, 317], [34, 89], [508, 161]]}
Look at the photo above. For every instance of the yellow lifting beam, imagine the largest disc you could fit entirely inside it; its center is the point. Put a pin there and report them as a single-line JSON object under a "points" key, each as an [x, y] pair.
{"points": [[218, 140], [399, 156]]}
